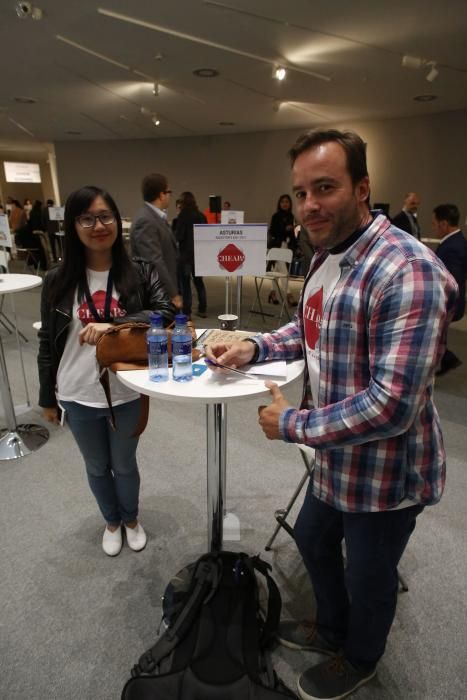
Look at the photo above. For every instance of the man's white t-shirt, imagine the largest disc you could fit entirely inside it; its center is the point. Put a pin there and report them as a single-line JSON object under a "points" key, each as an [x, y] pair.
{"points": [[78, 371], [317, 291]]}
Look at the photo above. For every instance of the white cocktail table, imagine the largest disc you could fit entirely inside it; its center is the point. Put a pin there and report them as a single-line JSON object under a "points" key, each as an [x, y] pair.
{"points": [[16, 440], [215, 390]]}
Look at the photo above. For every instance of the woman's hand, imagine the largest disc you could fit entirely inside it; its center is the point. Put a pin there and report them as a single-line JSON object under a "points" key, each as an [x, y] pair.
{"points": [[51, 415], [92, 332], [231, 354]]}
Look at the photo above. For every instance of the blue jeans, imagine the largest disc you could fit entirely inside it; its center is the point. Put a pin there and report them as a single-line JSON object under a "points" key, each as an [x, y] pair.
{"points": [[109, 456], [356, 605]]}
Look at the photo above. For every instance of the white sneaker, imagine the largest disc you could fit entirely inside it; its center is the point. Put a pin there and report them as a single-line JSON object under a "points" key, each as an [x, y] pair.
{"points": [[136, 537], [112, 541]]}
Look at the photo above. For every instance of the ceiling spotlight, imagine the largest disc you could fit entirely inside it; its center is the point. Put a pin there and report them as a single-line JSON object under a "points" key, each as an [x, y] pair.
{"points": [[155, 120], [25, 10], [433, 72], [155, 89], [412, 61], [280, 73]]}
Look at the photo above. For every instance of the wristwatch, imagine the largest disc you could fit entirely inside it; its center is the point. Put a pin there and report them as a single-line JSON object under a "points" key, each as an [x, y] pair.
{"points": [[256, 355]]}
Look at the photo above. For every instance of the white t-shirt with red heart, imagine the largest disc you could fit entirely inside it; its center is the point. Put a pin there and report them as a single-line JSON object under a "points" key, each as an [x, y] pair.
{"points": [[78, 371], [317, 291]]}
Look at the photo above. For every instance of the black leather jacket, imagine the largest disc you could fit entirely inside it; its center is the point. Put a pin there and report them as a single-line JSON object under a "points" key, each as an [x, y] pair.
{"points": [[149, 296]]}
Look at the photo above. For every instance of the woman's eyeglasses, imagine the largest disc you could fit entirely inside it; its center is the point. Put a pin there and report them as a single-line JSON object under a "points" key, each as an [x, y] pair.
{"points": [[89, 220]]}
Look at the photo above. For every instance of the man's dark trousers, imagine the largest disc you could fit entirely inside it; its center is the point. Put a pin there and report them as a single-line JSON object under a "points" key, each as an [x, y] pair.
{"points": [[355, 606]]}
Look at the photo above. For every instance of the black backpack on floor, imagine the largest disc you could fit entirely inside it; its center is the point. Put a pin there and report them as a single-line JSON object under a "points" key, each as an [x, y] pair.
{"points": [[216, 642]]}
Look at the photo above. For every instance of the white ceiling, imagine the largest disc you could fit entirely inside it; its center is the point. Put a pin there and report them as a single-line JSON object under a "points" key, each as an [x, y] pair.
{"points": [[358, 45]]}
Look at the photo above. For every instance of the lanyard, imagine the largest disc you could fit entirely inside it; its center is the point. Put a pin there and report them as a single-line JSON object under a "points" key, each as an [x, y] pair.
{"points": [[108, 299]]}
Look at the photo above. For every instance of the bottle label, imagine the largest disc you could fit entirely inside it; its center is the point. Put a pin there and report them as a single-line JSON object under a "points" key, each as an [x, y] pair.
{"points": [[157, 346], [181, 348]]}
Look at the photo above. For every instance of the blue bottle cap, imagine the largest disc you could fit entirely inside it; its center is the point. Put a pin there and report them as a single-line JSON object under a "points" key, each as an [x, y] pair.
{"points": [[180, 319], [155, 319]]}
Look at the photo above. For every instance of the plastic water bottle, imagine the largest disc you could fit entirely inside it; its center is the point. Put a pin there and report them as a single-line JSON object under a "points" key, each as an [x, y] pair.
{"points": [[181, 350], [158, 359]]}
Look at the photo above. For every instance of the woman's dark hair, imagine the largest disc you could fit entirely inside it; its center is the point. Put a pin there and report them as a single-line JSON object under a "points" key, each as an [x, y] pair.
{"points": [[72, 272], [17, 203], [188, 201], [284, 196]]}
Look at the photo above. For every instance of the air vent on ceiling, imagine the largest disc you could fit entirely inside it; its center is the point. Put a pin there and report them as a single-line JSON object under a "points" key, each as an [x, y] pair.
{"points": [[206, 73], [25, 100], [425, 98]]}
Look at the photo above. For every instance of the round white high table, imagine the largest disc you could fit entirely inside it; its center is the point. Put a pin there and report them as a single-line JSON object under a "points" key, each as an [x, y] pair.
{"points": [[215, 390], [17, 440]]}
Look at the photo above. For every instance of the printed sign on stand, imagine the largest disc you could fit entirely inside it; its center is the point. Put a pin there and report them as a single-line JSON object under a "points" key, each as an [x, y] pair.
{"points": [[56, 213], [5, 235], [229, 216], [230, 250]]}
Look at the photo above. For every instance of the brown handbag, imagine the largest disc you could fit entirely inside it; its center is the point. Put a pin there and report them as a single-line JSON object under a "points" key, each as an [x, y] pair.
{"points": [[123, 347]]}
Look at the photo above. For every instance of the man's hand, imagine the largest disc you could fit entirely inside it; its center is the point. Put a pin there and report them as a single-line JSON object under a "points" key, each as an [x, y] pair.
{"points": [[92, 332], [177, 301], [269, 415], [231, 354], [51, 415]]}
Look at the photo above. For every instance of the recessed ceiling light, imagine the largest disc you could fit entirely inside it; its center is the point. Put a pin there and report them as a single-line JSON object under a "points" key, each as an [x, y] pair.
{"points": [[25, 100], [226, 123], [206, 73], [73, 133], [425, 98]]}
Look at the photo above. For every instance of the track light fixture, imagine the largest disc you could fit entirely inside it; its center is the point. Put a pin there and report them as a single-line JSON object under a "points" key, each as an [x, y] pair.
{"points": [[155, 120], [155, 89], [279, 73], [416, 62], [433, 72]]}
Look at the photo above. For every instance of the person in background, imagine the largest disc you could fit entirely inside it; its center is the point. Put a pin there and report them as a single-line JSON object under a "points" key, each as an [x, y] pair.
{"points": [[281, 234], [26, 238], [2, 209], [18, 218], [151, 237], [175, 219], [406, 219], [188, 216], [371, 326], [452, 250], [51, 227], [8, 205], [226, 205], [95, 287], [27, 206]]}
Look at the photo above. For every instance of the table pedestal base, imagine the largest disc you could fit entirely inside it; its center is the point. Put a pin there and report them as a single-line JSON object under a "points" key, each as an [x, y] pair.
{"points": [[22, 441]]}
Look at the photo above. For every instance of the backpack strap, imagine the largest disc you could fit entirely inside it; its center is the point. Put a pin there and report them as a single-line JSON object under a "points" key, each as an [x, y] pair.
{"points": [[206, 576], [273, 612]]}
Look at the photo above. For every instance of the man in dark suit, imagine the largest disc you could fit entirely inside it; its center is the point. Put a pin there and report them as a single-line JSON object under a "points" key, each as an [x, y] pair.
{"points": [[452, 250], [151, 237], [406, 219]]}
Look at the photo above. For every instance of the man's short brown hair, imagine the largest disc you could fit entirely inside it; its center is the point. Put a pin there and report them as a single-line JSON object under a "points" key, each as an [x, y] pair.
{"points": [[153, 185], [353, 145]]}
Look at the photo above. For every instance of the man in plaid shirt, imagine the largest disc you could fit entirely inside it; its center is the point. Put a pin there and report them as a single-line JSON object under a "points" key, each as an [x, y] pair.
{"points": [[371, 324]]}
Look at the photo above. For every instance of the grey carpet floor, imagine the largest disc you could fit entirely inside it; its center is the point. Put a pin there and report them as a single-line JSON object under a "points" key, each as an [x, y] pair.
{"points": [[74, 621]]}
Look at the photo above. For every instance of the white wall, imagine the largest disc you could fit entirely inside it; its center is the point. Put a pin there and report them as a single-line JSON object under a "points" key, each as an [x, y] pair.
{"points": [[425, 154]]}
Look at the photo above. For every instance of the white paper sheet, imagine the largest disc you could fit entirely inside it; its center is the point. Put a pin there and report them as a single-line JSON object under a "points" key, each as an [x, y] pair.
{"points": [[276, 368]]}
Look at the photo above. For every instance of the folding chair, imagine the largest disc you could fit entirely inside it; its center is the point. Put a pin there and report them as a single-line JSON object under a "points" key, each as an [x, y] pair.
{"points": [[281, 514], [277, 256]]}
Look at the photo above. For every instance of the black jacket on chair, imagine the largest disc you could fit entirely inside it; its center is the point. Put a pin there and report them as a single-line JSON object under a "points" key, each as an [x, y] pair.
{"points": [[453, 253], [149, 296]]}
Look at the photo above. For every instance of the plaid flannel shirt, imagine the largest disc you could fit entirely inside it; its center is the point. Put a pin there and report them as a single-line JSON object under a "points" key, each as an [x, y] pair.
{"points": [[375, 428]]}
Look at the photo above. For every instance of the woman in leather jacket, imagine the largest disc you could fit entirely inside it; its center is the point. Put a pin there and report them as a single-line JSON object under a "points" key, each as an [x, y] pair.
{"points": [[97, 286]]}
